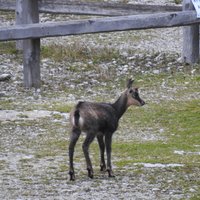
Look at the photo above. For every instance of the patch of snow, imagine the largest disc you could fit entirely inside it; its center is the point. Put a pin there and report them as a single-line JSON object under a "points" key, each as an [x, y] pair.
{"points": [[12, 115], [181, 152], [159, 165], [14, 158], [193, 153]]}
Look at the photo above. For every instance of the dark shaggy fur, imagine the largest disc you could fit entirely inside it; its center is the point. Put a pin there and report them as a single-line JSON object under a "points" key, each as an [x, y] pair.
{"points": [[99, 120]]}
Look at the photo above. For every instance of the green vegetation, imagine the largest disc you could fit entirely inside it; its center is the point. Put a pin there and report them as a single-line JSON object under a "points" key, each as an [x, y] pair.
{"points": [[35, 151], [62, 107], [179, 120], [177, 1], [8, 48], [78, 51], [181, 124], [7, 15]]}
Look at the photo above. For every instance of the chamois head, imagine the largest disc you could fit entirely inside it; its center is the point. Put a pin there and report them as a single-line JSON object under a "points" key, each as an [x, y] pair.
{"points": [[133, 95]]}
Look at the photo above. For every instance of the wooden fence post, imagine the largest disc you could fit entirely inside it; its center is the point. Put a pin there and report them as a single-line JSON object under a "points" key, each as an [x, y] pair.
{"points": [[190, 52], [29, 13], [19, 20]]}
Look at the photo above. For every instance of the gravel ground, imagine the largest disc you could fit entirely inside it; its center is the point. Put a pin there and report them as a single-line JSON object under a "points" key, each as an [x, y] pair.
{"points": [[28, 174]]}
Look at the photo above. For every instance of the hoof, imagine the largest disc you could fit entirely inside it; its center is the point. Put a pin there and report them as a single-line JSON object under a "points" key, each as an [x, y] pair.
{"points": [[102, 168], [90, 173], [91, 176], [111, 176], [110, 173], [71, 176]]}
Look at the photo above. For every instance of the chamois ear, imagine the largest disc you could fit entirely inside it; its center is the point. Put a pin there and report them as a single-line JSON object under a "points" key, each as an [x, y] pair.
{"points": [[130, 83]]}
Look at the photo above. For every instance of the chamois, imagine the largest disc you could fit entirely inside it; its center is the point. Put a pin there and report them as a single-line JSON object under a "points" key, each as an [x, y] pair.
{"points": [[99, 120]]}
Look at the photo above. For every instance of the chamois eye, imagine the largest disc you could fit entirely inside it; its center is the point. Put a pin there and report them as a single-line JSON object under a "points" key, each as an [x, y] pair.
{"points": [[136, 94]]}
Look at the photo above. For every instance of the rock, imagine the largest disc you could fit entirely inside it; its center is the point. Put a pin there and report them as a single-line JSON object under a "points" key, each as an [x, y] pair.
{"points": [[5, 77], [192, 190], [2, 94], [156, 71]]}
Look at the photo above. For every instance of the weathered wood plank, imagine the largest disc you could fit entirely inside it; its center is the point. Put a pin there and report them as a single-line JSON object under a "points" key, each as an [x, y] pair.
{"points": [[7, 5], [93, 8], [31, 48], [106, 24], [103, 8], [19, 20], [190, 51], [31, 63]]}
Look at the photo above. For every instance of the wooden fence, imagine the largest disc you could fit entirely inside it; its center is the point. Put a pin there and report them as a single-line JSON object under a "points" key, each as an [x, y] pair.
{"points": [[30, 30]]}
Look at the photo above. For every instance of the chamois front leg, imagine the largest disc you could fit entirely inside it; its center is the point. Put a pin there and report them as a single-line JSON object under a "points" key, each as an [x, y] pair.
{"points": [[102, 150], [108, 141], [74, 137], [88, 140]]}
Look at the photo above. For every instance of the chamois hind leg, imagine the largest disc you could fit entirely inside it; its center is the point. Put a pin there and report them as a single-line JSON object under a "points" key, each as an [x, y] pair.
{"points": [[108, 142], [100, 140], [88, 140], [73, 139]]}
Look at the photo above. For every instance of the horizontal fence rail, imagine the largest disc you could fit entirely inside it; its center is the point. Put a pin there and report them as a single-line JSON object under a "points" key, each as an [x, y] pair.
{"points": [[106, 24], [122, 18], [92, 8]]}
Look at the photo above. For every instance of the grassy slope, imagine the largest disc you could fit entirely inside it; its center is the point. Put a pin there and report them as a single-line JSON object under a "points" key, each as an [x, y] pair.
{"points": [[176, 119]]}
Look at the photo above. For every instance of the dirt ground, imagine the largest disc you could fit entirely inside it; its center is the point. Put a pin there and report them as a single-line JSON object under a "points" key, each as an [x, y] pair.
{"points": [[34, 125]]}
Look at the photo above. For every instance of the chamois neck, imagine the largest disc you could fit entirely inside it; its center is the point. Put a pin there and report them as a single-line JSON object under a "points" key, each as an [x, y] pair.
{"points": [[120, 105]]}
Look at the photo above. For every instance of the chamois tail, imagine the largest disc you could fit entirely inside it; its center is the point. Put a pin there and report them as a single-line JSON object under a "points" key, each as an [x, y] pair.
{"points": [[77, 114], [76, 117]]}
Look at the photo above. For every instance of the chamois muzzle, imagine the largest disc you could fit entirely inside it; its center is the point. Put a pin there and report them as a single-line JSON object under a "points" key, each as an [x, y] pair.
{"points": [[142, 102], [136, 96]]}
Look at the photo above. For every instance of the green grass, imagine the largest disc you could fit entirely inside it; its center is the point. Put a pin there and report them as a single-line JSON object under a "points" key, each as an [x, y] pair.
{"points": [[152, 152], [181, 122], [6, 104], [177, 1], [178, 118], [8, 15], [47, 138], [78, 51], [74, 52], [62, 107], [8, 48]]}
